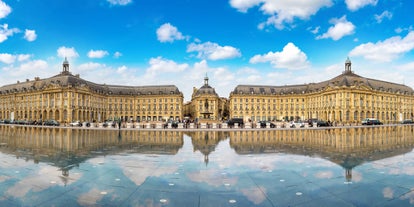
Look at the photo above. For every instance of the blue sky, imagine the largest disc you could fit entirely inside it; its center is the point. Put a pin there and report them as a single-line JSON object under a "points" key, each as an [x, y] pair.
{"points": [[152, 42]]}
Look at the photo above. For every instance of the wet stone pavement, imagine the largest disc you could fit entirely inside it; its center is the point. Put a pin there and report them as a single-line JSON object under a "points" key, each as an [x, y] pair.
{"points": [[371, 166]]}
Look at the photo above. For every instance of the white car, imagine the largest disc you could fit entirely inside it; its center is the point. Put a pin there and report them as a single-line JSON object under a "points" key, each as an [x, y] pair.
{"points": [[297, 124], [76, 124]]}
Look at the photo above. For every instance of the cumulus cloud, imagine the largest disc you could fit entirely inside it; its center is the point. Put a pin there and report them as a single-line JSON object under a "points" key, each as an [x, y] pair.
{"points": [[291, 57], [341, 27], [160, 65], [23, 57], [4, 9], [382, 16], [354, 5], [67, 52], [7, 58], [243, 5], [168, 33], [387, 50], [30, 35], [122, 69], [213, 51], [38, 67], [119, 2], [282, 12], [117, 54], [97, 53], [5, 32], [90, 66]]}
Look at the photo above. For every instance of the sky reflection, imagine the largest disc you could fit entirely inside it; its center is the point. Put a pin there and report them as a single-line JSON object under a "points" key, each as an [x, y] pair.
{"points": [[61, 166]]}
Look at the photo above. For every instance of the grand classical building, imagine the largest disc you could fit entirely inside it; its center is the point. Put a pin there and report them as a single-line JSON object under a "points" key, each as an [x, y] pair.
{"points": [[346, 98], [66, 97], [206, 105]]}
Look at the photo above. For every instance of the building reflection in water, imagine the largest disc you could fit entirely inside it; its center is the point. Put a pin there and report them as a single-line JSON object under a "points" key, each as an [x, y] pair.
{"points": [[66, 148], [347, 147], [206, 141]]}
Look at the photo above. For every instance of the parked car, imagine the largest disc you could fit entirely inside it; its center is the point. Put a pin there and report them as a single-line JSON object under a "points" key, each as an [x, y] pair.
{"points": [[407, 121], [371, 121], [312, 122], [321, 123], [263, 124], [109, 123], [75, 124], [86, 123], [51, 122], [174, 124], [296, 124], [232, 121]]}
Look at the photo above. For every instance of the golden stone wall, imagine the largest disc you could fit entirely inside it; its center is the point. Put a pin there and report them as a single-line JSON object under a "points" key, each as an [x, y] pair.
{"points": [[71, 104], [342, 105]]}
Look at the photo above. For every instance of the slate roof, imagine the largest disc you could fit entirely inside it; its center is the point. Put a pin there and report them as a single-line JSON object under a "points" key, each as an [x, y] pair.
{"points": [[346, 79], [66, 79]]}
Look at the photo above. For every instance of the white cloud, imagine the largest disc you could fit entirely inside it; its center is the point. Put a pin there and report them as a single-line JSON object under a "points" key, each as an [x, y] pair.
{"points": [[117, 54], [67, 52], [341, 28], [382, 16], [30, 35], [122, 69], [90, 66], [5, 32], [213, 51], [23, 57], [4, 9], [282, 12], [168, 33], [7, 58], [120, 2], [387, 50], [406, 67], [400, 29], [37, 67], [291, 57], [97, 53], [354, 5], [314, 30], [244, 5], [159, 65]]}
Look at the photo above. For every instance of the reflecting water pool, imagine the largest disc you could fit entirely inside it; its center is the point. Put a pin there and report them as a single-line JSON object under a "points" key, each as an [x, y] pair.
{"points": [[372, 166]]}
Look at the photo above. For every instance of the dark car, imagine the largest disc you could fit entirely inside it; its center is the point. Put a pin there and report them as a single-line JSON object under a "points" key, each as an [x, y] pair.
{"points": [[51, 123], [109, 123], [322, 123], [174, 124], [376, 122], [371, 121], [263, 124], [232, 121], [407, 121]]}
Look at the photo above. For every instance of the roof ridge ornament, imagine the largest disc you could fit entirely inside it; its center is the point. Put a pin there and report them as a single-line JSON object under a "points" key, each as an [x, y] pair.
{"points": [[206, 80], [348, 65], [65, 66]]}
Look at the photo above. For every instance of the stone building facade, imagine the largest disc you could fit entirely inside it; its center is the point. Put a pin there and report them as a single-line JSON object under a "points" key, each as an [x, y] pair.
{"points": [[206, 105], [346, 98], [66, 98]]}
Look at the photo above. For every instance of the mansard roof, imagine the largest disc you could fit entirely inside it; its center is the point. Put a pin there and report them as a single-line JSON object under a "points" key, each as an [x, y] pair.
{"points": [[206, 89], [66, 79], [346, 79]]}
